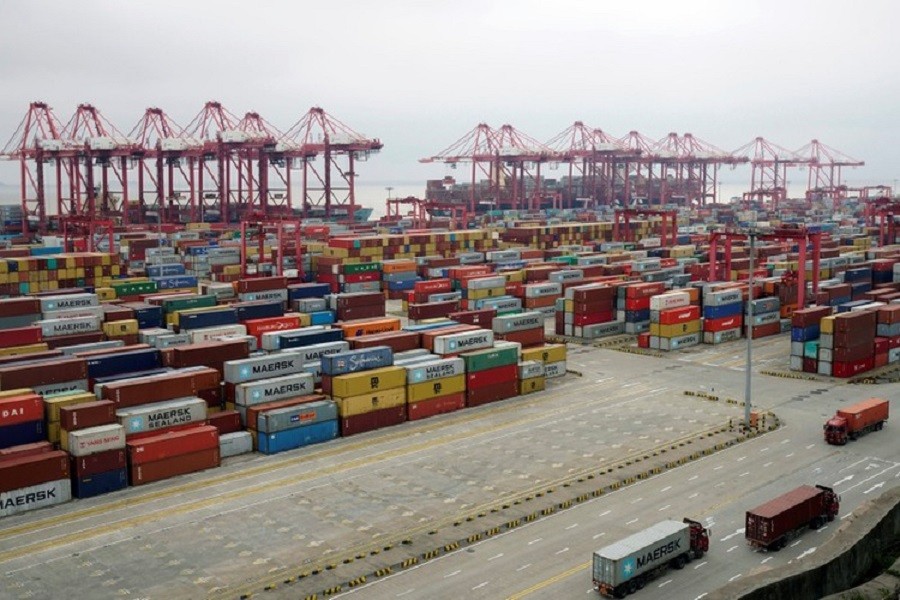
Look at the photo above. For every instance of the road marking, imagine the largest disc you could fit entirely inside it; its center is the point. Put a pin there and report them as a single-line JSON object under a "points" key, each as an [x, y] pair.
{"points": [[789, 455], [693, 478], [453, 574], [735, 577], [764, 449], [766, 559], [694, 495], [700, 565], [732, 548], [703, 595], [572, 526], [599, 535], [840, 481], [605, 512], [480, 585], [534, 541], [740, 459], [744, 474], [666, 489], [821, 529], [409, 591], [496, 556], [874, 487], [666, 507], [847, 515], [548, 582], [666, 582], [631, 522], [737, 532], [717, 468], [523, 567], [564, 550], [785, 441], [795, 543], [767, 465], [810, 446], [806, 553], [636, 501]]}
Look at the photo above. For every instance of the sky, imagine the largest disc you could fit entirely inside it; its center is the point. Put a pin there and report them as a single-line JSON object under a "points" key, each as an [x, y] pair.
{"points": [[420, 75]]}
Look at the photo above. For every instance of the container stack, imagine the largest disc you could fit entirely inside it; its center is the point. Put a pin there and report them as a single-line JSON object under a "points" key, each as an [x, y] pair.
{"points": [[21, 418], [526, 329], [165, 455], [542, 297], [589, 311], [531, 377], [633, 305], [53, 405], [435, 387], [33, 476], [104, 468], [552, 356], [294, 423], [723, 313], [888, 327], [369, 392], [478, 291], [265, 378], [356, 305], [400, 277], [766, 317], [805, 342], [852, 342], [674, 321], [492, 374]]}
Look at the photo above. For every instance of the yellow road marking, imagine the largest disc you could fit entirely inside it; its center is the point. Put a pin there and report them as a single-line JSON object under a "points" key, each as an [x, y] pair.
{"points": [[548, 582]]}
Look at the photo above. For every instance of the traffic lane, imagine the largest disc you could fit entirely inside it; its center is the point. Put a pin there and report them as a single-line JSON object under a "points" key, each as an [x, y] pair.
{"points": [[730, 548]]}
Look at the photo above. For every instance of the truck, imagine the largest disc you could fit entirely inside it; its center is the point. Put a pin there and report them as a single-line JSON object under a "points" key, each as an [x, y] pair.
{"points": [[853, 421], [771, 525], [626, 566]]}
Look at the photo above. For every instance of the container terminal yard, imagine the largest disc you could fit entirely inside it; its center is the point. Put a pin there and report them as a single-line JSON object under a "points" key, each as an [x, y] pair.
{"points": [[512, 387]]}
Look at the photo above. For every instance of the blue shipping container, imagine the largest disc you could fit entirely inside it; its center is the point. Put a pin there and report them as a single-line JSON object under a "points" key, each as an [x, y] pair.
{"points": [[101, 483], [148, 316], [122, 362], [322, 317], [804, 334], [259, 309], [165, 270], [296, 339], [725, 310], [298, 437], [213, 318], [637, 316], [26, 433], [308, 290], [402, 286], [357, 360], [175, 282]]}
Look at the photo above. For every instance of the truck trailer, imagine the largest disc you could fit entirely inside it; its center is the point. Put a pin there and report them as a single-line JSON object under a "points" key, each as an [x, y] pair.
{"points": [[853, 421], [626, 566], [771, 525]]}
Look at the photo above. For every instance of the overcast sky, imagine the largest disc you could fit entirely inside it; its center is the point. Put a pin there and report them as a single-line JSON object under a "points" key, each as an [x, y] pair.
{"points": [[419, 75]]}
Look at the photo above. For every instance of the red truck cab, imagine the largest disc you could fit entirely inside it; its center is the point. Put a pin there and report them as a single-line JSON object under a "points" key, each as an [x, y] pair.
{"points": [[836, 430], [699, 537]]}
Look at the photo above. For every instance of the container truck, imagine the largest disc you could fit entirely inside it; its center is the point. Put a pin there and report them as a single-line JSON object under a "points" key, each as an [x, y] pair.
{"points": [[853, 421], [626, 566], [771, 525]]}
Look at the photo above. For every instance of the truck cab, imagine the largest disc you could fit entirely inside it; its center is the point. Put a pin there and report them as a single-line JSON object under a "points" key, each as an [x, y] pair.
{"points": [[832, 502], [836, 430], [699, 537]]}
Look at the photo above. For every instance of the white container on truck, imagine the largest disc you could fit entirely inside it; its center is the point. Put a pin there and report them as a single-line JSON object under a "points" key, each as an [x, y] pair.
{"points": [[626, 566]]}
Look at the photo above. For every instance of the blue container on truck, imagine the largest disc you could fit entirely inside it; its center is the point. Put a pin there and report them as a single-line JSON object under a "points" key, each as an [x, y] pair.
{"points": [[297, 437], [353, 361], [100, 483], [123, 362]]}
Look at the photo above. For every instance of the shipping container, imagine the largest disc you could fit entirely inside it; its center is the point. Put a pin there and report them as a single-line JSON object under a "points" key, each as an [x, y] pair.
{"points": [[772, 524], [463, 342], [172, 444], [235, 443], [161, 415], [276, 388], [353, 361], [308, 413], [297, 437], [99, 462], [26, 470], [93, 439], [89, 414], [262, 367], [435, 406], [370, 421], [88, 486], [366, 382], [173, 466], [36, 496]]}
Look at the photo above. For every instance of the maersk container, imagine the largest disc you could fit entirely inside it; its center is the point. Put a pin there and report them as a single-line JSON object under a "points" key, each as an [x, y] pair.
{"points": [[290, 439], [483, 283], [566, 275], [554, 369], [454, 343], [262, 367], [315, 352], [35, 496], [276, 295], [309, 413], [681, 341], [434, 369], [723, 297], [618, 563], [272, 389], [519, 322], [148, 417], [603, 329], [502, 304], [69, 326], [540, 290], [531, 368], [67, 301], [310, 305], [353, 361]]}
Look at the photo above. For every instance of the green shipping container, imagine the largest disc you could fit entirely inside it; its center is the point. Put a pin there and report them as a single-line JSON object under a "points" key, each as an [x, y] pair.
{"points": [[353, 268], [481, 360], [197, 301], [133, 289]]}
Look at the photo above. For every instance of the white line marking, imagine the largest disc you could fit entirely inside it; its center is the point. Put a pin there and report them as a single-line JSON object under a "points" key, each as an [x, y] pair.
{"points": [[806, 553], [767, 559], [631, 522], [605, 512], [666, 582], [700, 565], [572, 526], [704, 594], [664, 507], [795, 543], [636, 501], [562, 551], [480, 585], [767, 465], [735, 577], [764, 449], [785, 441], [847, 515], [496, 556], [693, 478], [717, 468], [732, 548], [744, 474], [409, 591], [740, 459], [454, 573], [599, 535], [666, 489], [789, 455], [810, 446], [523, 567], [534, 541], [694, 495]]}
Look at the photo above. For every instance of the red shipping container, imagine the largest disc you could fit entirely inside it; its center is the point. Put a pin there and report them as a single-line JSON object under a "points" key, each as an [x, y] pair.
{"points": [[492, 393], [432, 310], [156, 388], [257, 327], [21, 409], [543, 302], [362, 277], [852, 353], [515, 288], [643, 339], [641, 303], [370, 311], [810, 316], [211, 354], [432, 286], [25, 450], [810, 365], [490, 377], [260, 284], [894, 342], [861, 320], [674, 316], [226, 421], [436, 406], [481, 318], [16, 358], [359, 300], [17, 307], [725, 323], [526, 337], [176, 465], [889, 314], [644, 290], [19, 336], [213, 397], [159, 447], [25, 471], [881, 359], [90, 414], [63, 341], [398, 341], [589, 295], [101, 462], [33, 374], [765, 330], [848, 369], [881, 345], [592, 318], [370, 421]]}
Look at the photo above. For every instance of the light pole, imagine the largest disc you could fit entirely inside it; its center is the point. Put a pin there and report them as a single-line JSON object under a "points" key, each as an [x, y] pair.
{"points": [[747, 393], [389, 190]]}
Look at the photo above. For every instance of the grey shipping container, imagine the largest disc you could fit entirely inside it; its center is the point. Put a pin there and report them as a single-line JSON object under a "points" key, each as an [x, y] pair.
{"points": [[147, 417], [639, 553], [281, 419]]}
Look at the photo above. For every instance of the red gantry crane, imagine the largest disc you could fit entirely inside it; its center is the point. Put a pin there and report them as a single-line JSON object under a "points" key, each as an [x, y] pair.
{"points": [[825, 165], [694, 168], [477, 148], [768, 172]]}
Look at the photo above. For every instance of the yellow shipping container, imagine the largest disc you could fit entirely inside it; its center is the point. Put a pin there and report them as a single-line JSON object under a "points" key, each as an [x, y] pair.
{"points": [[366, 382], [668, 331], [826, 325], [53, 433], [105, 293], [120, 328], [17, 350], [515, 276], [365, 403], [548, 353], [532, 384], [52, 405], [485, 293], [436, 387], [15, 392]]}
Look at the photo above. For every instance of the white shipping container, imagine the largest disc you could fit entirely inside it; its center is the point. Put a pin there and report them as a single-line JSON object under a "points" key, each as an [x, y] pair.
{"points": [[236, 443], [723, 297], [455, 343], [434, 369], [74, 313], [519, 322], [60, 327], [280, 295], [68, 301], [95, 439], [555, 369], [158, 415], [76, 385], [32, 497], [531, 368], [262, 367], [483, 283], [566, 275], [539, 290], [208, 334], [272, 389], [670, 300]]}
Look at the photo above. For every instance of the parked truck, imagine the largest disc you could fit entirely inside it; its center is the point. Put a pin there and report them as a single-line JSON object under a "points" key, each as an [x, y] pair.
{"points": [[853, 421], [626, 566], [771, 525]]}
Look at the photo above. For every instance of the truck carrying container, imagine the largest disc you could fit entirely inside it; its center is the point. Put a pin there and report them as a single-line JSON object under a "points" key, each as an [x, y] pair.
{"points": [[626, 566], [853, 421], [771, 525]]}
